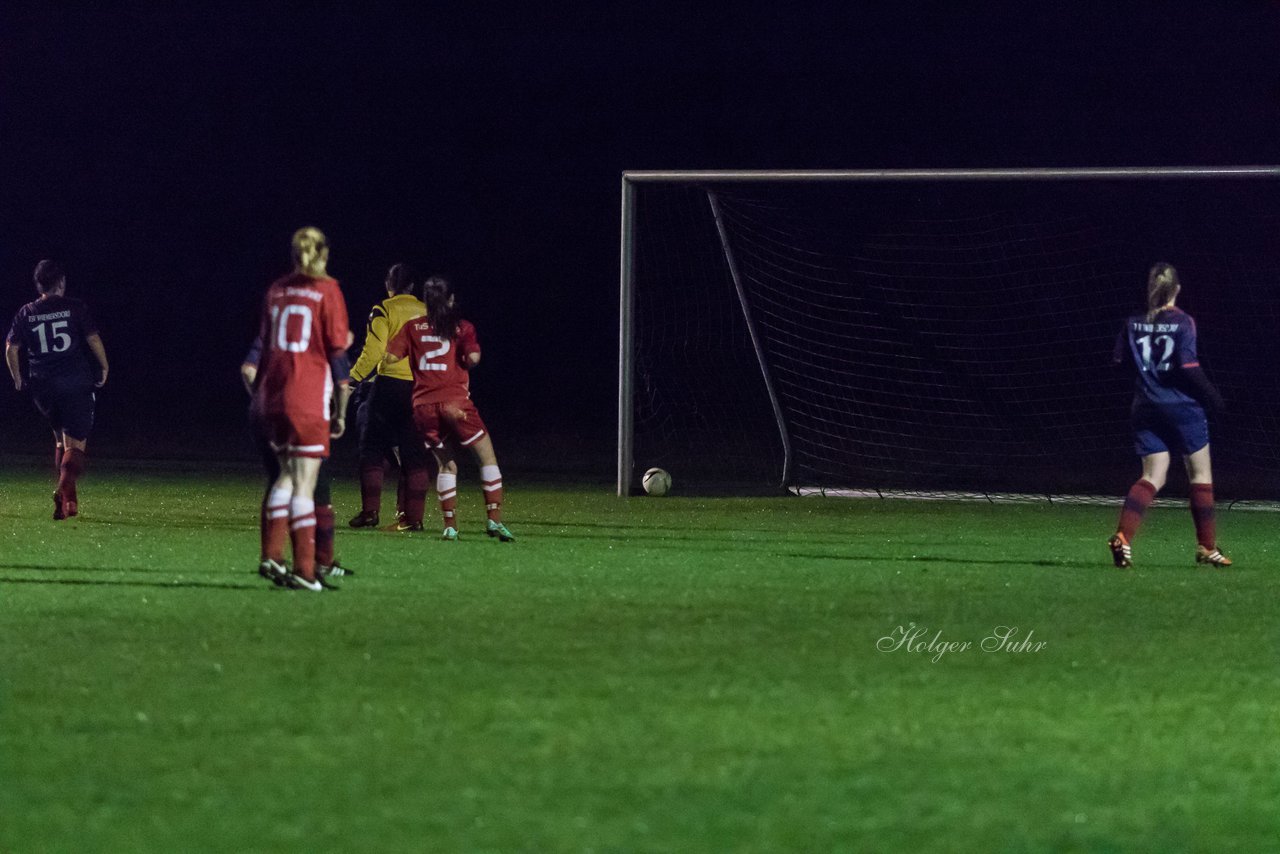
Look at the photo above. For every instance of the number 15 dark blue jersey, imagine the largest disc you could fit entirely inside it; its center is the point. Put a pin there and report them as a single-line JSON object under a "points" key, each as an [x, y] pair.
{"points": [[52, 331], [1160, 349]]}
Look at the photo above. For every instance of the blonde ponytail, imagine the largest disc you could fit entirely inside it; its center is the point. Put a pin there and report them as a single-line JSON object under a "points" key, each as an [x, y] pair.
{"points": [[1162, 287]]}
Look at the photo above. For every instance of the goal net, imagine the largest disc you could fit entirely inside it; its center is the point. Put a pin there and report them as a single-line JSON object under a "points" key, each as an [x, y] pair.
{"points": [[933, 333]]}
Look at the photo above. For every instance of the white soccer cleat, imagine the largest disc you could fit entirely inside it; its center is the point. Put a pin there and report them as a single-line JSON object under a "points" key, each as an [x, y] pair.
{"points": [[450, 534], [273, 571], [297, 582]]}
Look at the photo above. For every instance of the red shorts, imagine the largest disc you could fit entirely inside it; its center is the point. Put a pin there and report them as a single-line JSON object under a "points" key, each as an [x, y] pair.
{"points": [[293, 436], [458, 419]]}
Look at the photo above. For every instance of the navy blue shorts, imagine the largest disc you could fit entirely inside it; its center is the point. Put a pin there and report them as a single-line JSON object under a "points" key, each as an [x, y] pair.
{"points": [[1178, 428], [68, 407]]}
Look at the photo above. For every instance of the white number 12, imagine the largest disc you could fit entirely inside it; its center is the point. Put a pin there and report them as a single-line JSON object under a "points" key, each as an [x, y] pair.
{"points": [[1164, 341]]}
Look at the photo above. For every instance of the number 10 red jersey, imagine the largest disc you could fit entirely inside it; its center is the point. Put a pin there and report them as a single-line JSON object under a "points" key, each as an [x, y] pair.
{"points": [[304, 322]]}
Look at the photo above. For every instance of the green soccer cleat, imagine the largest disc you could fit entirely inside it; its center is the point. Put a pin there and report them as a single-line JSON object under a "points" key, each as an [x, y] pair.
{"points": [[499, 530], [450, 534]]}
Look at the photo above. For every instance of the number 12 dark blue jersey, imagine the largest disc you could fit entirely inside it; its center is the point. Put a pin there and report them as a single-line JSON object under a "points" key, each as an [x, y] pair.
{"points": [[1160, 349]]}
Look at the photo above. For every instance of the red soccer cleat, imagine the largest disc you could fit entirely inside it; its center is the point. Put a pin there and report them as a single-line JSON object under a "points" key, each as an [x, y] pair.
{"points": [[1121, 552]]}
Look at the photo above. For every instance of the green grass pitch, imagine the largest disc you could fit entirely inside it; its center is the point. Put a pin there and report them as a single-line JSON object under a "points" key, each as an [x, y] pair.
{"points": [[678, 674]]}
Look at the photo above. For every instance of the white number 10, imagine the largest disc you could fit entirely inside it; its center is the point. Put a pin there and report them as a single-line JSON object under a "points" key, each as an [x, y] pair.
{"points": [[280, 319]]}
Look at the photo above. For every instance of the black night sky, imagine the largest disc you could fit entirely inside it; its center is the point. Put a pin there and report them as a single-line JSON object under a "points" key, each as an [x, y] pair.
{"points": [[165, 152]]}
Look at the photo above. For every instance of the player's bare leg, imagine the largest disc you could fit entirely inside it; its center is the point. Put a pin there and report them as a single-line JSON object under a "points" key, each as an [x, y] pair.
{"points": [[303, 472], [66, 502], [1155, 471], [491, 483], [1200, 473], [447, 490]]}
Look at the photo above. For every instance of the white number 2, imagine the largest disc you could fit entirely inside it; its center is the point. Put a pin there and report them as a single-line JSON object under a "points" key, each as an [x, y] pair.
{"points": [[280, 320], [1164, 341], [424, 361], [61, 340]]}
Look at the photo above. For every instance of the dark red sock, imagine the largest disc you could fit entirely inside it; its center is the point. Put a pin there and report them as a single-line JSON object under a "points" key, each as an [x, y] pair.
{"points": [[1202, 515], [275, 525], [1140, 496], [324, 534], [302, 531], [415, 494], [73, 462], [370, 487]]}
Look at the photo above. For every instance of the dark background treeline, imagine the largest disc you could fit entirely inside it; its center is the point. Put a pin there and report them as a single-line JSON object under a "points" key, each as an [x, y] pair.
{"points": [[166, 153]]}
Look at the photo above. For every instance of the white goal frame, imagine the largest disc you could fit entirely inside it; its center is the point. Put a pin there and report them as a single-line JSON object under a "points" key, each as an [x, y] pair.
{"points": [[710, 179]]}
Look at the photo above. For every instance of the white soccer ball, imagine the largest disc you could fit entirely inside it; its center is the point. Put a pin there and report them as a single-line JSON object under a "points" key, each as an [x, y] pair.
{"points": [[656, 482]]}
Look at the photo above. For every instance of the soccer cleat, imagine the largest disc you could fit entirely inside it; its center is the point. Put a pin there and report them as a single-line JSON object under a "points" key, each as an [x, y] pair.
{"points": [[365, 519], [71, 507], [273, 571], [405, 525], [1213, 557], [58, 512], [450, 534], [296, 582], [499, 530], [1121, 552], [333, 570]]}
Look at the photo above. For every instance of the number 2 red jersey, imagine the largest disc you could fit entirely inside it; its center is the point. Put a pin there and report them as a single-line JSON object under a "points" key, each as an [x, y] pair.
{"points": [[437, 362], [304, 321]]}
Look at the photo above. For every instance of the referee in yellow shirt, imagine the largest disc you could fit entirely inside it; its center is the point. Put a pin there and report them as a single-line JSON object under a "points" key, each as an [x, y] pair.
{"points": [[386, 416]]}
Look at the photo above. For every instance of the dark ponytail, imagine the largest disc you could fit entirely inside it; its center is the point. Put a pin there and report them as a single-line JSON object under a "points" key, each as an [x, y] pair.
{"points": [[400, 279], [437, 294]]}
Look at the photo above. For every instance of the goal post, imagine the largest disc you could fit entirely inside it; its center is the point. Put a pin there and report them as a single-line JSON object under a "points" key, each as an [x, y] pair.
{"points": [[764, 309]]}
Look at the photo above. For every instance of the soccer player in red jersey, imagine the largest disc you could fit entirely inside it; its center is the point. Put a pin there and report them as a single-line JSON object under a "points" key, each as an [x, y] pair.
{"points": [[327, 564], [1171, 394], [300, 401], [442, 349], [58, 336]]}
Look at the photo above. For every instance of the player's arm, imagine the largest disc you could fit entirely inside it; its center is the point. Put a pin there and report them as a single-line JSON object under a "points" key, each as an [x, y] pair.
{"points": [[340, 367], [468, 347], [249, 365], [398, 347], [13, 358], [1194, 380], [1199, 386], [375, 345], [100, 353]]}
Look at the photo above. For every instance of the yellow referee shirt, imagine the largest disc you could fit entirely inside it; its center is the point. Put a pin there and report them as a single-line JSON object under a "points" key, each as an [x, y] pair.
{"points": [[385, 321]]}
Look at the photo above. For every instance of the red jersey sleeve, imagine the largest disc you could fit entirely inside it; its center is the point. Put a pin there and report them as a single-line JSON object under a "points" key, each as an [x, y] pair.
{"points": [[467, 343], [398, 346]]}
